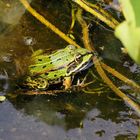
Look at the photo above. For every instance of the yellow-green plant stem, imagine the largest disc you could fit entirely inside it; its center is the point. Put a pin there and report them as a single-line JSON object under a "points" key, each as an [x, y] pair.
{"points": [[115, 73], [73, 17], [84, 26], [47, 23], [98, 66], [101, 72], [97, 14], [48, 92], [102, 11]]}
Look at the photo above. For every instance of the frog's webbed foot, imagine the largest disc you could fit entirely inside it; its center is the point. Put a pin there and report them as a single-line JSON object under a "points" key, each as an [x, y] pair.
{"points": [[67, 83], [82, 84]]}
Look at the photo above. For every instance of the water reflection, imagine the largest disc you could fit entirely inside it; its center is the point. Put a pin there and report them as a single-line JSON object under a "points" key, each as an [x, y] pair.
{"points": [[4, 82], [80, 115], [65, 110]]}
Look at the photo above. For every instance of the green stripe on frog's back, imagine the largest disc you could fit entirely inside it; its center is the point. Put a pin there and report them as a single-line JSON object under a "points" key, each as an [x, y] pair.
{"points": [[53, 76], [55, 61], [43, 58]]}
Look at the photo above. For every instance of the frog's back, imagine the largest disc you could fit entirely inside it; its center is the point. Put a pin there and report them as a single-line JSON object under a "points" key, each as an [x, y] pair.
{"points": [[46, 63]]}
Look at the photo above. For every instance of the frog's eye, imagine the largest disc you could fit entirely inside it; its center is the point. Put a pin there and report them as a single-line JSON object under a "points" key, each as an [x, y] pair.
{"points": [[78, 58], [71, 47]]}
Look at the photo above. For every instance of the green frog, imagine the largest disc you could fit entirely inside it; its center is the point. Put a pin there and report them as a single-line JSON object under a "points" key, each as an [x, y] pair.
{"points": [[59, 66]]}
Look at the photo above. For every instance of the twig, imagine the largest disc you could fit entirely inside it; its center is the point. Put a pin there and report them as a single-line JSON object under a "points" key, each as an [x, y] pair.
{"points": [[97, 14], [47, 23], [98, 66], [102, 12], [48, 92], [115, 73]]}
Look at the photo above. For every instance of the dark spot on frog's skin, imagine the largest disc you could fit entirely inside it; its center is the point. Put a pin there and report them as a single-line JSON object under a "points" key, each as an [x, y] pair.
{"points": [[55, 75], [39, 59], [51, 62], [61, 77], [46, 73], [67, 59], [58, 59], [44, 67], [32, 67]]}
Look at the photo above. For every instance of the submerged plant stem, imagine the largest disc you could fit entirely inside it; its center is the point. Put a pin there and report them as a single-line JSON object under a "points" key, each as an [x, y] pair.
{"points": [[85, 31], [99, 68], [130, 102], [47, 23], [94, 10], [115, 73], [48, 92]]}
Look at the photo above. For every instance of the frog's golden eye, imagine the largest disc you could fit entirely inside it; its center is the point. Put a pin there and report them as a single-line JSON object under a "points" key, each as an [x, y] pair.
{"points": [[78, 58]]}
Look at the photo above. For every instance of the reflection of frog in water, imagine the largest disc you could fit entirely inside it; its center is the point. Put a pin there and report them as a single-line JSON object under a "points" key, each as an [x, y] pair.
{"points": [[60, 66]]}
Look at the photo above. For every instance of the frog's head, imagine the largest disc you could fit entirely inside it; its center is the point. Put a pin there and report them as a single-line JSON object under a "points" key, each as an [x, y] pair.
{"points": [[82, 60]]}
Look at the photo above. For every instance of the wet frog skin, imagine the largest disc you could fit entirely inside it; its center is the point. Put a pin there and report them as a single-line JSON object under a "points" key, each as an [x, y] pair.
{"points": [[60, 66]]}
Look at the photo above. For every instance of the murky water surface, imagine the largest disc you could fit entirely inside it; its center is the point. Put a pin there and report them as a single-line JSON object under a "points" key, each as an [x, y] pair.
{"points": [[75, 116]]}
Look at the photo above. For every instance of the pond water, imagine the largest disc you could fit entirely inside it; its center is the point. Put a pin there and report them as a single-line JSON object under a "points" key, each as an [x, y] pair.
{"points": [[75, 116]]}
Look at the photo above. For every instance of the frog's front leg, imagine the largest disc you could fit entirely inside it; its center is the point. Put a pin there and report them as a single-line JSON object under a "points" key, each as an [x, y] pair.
{"points": [[67, 82]]}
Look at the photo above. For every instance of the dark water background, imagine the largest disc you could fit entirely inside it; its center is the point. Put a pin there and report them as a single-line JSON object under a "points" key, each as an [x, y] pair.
{"points": [[76, 116]]}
